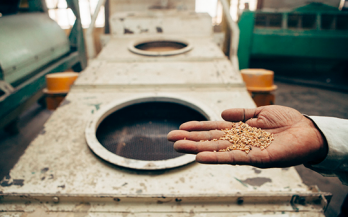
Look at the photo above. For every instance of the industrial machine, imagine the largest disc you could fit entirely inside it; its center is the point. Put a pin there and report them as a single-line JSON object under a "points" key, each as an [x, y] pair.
{"points": [[31, 46], [104, 151], [309, 42]]}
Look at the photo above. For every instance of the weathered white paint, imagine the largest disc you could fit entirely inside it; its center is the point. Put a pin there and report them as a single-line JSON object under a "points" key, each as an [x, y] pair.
{"points": [[186, 74], [59, 175], [162, 22], [203, 49]]}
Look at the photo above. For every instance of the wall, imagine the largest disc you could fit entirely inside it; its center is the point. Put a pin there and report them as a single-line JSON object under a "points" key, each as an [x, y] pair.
{"points": [[136, 5]]}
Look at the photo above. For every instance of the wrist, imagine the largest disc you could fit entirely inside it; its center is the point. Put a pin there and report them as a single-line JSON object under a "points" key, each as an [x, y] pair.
{"points": [[320, 143]]}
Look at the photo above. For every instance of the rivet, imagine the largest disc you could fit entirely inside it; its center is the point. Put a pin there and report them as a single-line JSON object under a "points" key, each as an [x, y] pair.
{"points": [[240, 200], [55, 199]]}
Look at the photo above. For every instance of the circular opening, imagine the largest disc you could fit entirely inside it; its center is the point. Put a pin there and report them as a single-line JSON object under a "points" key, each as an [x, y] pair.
{"points": [[139, 131], [161, 46]]}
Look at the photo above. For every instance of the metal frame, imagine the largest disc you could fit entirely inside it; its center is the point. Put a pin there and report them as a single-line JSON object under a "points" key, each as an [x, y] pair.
{"points": [[12, 102], [11, 105], [178, 205], [233, 27]]}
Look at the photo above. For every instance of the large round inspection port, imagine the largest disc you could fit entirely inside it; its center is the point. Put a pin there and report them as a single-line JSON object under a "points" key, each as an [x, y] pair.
{"points": [[160, 47], [140, 131], [134, 135]]}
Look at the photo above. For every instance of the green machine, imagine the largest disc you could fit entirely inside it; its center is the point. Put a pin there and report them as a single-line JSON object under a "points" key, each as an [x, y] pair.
{"points": [[31, 46], [308, 44]]}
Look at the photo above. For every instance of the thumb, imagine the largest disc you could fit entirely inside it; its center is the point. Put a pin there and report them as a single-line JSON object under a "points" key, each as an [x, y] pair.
{"points": [[238, 114], [253, 122]]}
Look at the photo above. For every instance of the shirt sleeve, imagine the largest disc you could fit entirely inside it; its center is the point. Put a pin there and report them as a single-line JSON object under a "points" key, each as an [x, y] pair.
{"points": [[335, 131]]}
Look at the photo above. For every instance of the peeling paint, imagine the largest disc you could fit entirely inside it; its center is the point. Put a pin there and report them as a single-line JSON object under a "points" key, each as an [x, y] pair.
{"points": [[241, 182], [144, 186], [258, 181], [159, 29], [65, 102], [45, 169], [19, 182], [9, 182], [128, 31], [257, 171], [97, 106]]}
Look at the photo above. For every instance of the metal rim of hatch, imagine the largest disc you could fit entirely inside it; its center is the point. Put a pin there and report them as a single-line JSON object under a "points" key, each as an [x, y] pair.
{"points": [[102, 152], [132, 47]]}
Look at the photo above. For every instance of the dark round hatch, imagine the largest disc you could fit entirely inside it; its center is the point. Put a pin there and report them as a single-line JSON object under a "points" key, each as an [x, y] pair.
{"points": [[139, 131], [161, 46]]}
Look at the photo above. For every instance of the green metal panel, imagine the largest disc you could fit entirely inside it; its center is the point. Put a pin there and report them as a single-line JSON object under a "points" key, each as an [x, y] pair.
{"points": [[316, 7], [309, 44], [315, 31], [246, 26], [31, 46], [29, 41]]}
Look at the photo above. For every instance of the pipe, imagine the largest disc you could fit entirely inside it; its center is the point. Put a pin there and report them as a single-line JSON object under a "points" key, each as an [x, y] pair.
{"points": [[234, 35], [89, 33]]}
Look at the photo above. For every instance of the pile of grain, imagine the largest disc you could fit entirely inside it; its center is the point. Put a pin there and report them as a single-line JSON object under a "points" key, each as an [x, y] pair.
{"points": [[243, 137]]}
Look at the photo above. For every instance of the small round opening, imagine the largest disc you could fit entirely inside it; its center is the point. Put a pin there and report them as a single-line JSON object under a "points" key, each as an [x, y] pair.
{"points": [[139, 131], [161, 46]]}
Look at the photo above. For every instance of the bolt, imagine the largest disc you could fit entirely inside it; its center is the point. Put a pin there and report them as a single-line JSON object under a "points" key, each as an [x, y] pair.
{"points": [[302, 200], [240, 200], [117, 199], [178, 200], [55, 199]]}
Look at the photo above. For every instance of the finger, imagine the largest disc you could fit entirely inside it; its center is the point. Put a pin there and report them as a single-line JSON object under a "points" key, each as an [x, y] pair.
{"points": [[256, 157], [194, 136], [191, 147], [205, 125], [231, 157], [239, 114]]}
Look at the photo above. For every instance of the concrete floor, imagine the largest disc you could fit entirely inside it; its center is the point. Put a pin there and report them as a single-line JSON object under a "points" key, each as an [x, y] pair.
{"points": [[308, 100]]}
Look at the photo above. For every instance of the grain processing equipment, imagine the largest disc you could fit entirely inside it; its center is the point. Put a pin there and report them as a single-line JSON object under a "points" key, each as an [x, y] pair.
{"points": [[309, 42], [104, 151], [31, 46]]}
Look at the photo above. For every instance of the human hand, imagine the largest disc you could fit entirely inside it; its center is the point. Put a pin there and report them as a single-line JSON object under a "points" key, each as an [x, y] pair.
{"points": [[296, 139]]}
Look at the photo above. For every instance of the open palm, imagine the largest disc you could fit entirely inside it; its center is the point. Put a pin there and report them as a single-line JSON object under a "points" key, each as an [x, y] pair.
{"points": [[296, 139]]}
